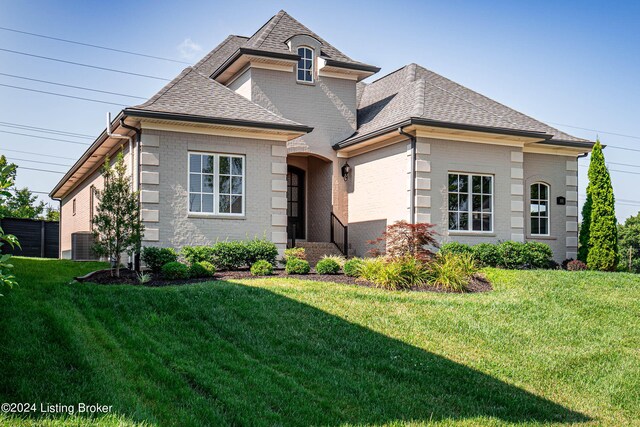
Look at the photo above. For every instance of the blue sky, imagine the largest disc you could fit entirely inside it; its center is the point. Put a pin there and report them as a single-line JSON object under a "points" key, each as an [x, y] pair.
{"points": [[573, 63]]}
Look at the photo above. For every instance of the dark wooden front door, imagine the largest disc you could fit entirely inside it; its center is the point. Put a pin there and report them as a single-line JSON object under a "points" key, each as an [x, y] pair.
{"points": [[295, 202]]}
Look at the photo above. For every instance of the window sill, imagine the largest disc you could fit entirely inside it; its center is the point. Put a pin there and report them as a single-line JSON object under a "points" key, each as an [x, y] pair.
{"points": [[213, 216], [472, 233], [542, 238], [306, 83]]}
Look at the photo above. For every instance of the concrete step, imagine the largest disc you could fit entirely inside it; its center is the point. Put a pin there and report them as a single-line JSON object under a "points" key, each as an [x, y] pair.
{"points": [[316, 250]]}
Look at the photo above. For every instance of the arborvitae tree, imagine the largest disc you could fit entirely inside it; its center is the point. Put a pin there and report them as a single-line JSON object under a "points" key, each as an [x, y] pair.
{"points": [[583, 250], [116, 224], [603, 230]]}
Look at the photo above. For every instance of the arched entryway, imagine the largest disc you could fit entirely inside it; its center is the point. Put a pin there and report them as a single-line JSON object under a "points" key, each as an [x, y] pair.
{"points": [[296, 209]]}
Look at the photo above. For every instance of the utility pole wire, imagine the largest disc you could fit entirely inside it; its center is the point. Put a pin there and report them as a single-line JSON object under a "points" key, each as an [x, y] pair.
{"points": [[45, 137], [63, 95]]}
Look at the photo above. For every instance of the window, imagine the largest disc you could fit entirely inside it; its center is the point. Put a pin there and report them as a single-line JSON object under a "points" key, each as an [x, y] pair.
{"points": [[470, 202], [539, 209], [305, 65], [92, 194], [73, 206], [216, 184]]}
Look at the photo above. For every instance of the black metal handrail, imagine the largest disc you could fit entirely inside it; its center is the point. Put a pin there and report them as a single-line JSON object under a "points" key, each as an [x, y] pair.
{"points": [[339, 234]]}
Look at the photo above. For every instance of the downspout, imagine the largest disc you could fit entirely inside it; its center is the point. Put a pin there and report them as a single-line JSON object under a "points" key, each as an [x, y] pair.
{"points": [[412, 186], [136, 177]]}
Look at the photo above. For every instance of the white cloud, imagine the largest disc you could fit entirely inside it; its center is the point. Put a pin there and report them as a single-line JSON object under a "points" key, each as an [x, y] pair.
{"points": [[188, 48]]}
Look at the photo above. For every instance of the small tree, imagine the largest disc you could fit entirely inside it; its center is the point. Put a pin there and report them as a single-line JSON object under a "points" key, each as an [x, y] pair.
{"points": [[603, 232], [7, 177], [629, 240], [116, 223], [583, 249], [404, 239]]}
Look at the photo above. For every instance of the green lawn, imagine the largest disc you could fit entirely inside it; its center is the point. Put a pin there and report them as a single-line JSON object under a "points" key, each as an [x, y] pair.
{"points": [[543, 348]]}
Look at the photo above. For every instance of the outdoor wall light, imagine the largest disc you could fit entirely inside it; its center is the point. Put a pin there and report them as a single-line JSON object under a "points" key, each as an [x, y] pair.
{"points": [[561, 200], [346, 169]]}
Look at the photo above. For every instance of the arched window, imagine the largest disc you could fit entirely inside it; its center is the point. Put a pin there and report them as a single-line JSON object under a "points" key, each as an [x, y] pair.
{"points": [[539, 201], [305, 65]]}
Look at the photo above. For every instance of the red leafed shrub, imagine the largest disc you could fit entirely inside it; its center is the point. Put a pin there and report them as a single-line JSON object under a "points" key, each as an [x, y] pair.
{"points": [[402, 239], [576, 265]]}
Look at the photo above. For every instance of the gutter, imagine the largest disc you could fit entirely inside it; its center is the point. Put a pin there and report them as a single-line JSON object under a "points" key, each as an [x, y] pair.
{"points": [[412, 186], [350, 66], [213, 120], [246, 51], [446, 125]]}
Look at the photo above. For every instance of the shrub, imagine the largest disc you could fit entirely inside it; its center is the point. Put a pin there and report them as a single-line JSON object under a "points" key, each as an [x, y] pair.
{"points": [[337, 258], [202, 269], [452, 271], [294, 253], [537, 255], [352, 267], [175, 270], [261, 250], [401, 273], [327, 266], [370, 268], [455, 248], [565, 263], [155, 258], [262, 268], [486, 254], [402, 239], [229, 255], [297, 266], [513, 255], [195, 254], [576, 265]]}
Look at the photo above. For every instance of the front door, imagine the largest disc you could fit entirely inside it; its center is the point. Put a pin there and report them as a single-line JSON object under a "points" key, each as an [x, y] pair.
{"points": [[295, 202]]}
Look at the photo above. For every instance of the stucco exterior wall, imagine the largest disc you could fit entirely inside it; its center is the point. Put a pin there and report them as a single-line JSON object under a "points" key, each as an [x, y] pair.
{"points": [[377, 194], [81, 221], [165, 192]]}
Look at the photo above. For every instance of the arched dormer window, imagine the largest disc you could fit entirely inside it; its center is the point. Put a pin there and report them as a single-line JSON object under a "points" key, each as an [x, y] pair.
{"points": [[305, 65], [539, 202]]}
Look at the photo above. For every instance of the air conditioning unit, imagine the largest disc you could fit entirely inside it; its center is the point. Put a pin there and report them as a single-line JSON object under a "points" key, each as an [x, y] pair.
{"points": [[81, 246]]}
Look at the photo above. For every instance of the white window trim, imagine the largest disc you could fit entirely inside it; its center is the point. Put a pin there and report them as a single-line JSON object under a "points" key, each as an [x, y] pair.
{"points": [[313, 65], [216, 186], [548, 216], [470, 230]]}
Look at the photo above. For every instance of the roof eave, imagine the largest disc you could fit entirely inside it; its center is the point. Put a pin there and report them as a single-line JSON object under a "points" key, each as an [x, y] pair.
{"points": [[254, 52], [215, 120], [351, 66], [565, 143]]}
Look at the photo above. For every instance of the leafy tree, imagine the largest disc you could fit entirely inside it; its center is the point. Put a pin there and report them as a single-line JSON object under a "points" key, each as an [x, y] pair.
{"points": [[52, 214], [629, 240], [7, 177], [403, 239], [583, 250], [22, 204], [116, 223], [603, 232]]}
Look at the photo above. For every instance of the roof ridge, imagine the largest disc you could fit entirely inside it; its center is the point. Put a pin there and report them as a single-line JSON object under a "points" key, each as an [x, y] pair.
{"points": [[184, 73], [216, 49], [273, 23], [420, 96]]}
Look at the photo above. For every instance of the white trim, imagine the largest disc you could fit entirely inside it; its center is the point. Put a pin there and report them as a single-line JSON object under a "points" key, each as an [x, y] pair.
{"points": [[548, 216], [216, 185], [313, 64]]}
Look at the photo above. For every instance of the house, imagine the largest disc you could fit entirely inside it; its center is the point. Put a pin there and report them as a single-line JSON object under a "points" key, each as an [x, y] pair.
{"points": [[277, 135]]}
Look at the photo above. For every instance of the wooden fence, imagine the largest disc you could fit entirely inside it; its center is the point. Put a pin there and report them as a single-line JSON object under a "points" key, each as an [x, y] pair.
{"points": [[38, 238]]}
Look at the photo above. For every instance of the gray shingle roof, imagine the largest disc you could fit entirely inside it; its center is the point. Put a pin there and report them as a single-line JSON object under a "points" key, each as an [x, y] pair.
{"points": [[415, 92], [195, 94], [214, 59], [273, 36]]}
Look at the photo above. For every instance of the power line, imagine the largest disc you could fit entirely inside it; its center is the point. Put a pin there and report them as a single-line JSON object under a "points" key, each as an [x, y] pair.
{"points": [[45, 137], [595, 130], [93, 45], [113, 70], [41, 170], [63, 95], [617, 147], [38, 161], [615, 170], [71, 86], [46, 130], [37, 154]]}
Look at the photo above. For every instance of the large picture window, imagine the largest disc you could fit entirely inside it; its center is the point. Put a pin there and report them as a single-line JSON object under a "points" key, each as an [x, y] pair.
{"points": [[470, 202], [305, 65], [216, 184], [539, 200]]}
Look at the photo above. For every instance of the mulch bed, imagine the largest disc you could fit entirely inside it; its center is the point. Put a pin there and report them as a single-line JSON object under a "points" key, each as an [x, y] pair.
{"points": [[479, 283]]}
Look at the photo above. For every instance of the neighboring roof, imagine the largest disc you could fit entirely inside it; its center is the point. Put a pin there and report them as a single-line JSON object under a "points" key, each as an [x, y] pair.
{"points": [[272, 38], [416, 94], [195, 97]]}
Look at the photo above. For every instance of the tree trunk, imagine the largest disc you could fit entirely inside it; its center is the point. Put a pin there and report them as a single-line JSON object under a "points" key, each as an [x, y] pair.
{"points": [[118, 265]]}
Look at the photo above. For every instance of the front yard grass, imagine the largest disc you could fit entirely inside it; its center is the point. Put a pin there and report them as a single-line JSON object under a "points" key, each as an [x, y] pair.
{"points": [[544, 348]]}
